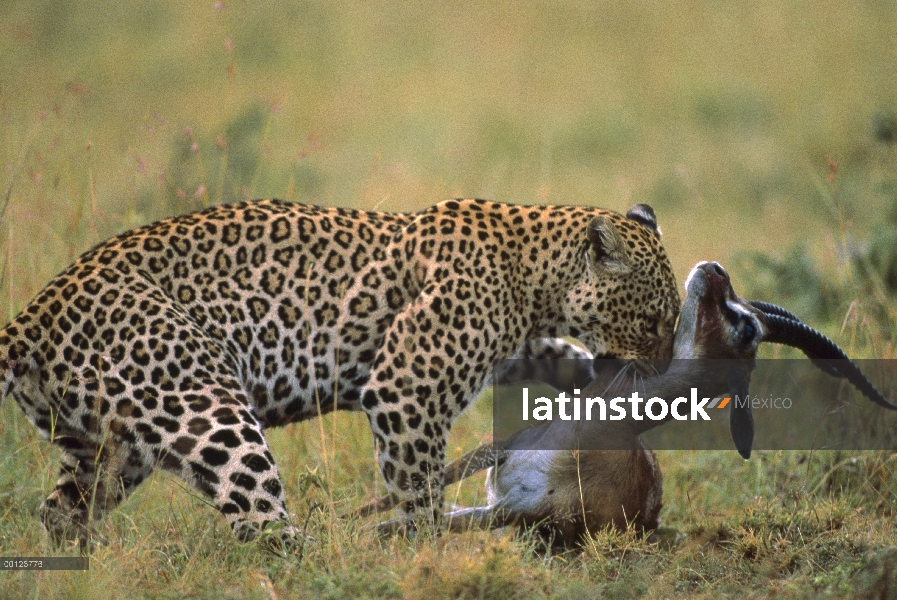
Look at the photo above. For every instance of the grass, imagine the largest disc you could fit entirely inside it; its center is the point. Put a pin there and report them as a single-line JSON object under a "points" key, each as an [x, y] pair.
{"points": [[763, 136], [799, 524]]}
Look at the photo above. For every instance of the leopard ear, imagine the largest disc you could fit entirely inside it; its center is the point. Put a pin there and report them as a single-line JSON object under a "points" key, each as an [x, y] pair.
{"points": [[644, 214], [606, 249]]}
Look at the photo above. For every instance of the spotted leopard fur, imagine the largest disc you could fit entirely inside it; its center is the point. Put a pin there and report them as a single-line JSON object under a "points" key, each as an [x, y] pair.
{"points": [[174, 345]]}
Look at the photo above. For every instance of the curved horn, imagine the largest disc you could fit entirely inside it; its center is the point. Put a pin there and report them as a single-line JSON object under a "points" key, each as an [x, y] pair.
{"points": [[817, 346], [768, 309], [772, 309]]}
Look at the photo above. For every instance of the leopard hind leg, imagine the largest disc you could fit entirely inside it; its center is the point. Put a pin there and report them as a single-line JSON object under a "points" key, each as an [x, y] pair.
{"points": [[92, 481]]}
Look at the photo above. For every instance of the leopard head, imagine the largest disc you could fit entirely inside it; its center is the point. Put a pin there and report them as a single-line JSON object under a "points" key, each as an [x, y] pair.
{"points": [[626, 303]]}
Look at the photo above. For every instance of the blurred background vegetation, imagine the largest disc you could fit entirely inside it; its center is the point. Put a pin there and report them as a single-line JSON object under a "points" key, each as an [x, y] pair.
{"points": [[764, 134]]}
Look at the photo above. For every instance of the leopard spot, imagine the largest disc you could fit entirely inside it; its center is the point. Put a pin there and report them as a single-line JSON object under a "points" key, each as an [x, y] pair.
{"points": [[256, 463], [198, 426], [243, 480], [184, 445], [226, 438], [214, 456]]}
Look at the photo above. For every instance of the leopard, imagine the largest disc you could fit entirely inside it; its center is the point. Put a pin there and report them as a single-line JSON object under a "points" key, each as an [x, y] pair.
{"points": [[174, 345]]}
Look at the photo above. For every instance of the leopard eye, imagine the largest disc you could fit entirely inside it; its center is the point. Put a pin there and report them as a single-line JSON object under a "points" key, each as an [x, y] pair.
{"points": [[651, 326]]}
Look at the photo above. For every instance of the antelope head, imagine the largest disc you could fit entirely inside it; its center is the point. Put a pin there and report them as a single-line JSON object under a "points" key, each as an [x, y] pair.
{"points": [[715, 322]]}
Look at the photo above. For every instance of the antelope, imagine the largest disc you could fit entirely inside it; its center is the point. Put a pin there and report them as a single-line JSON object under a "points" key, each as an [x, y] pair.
{"points": [[565, 494]]}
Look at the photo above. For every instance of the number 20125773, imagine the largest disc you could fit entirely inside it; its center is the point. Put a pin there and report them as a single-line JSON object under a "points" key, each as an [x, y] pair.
{"points": [[44, 563]]}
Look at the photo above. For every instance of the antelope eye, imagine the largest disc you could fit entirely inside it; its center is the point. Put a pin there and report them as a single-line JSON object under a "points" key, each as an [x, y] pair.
{"points": [[750, 332]]}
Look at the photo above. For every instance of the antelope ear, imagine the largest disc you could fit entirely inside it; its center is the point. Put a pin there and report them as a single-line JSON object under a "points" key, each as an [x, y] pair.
{"points": [[741, 421], [606, 249], [741, 424], [644, 214]]}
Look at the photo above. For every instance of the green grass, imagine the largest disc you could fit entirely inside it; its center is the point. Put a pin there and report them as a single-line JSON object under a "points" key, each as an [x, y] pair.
{"points": [[763, 135], [799, 524]]}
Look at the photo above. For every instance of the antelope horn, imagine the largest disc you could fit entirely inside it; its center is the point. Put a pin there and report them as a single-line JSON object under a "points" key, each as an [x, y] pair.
{"points": [[771, 309], [791, 332]]}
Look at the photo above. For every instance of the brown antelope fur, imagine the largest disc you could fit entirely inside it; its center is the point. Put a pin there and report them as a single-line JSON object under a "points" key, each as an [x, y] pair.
{"points": [[566, 493]]}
